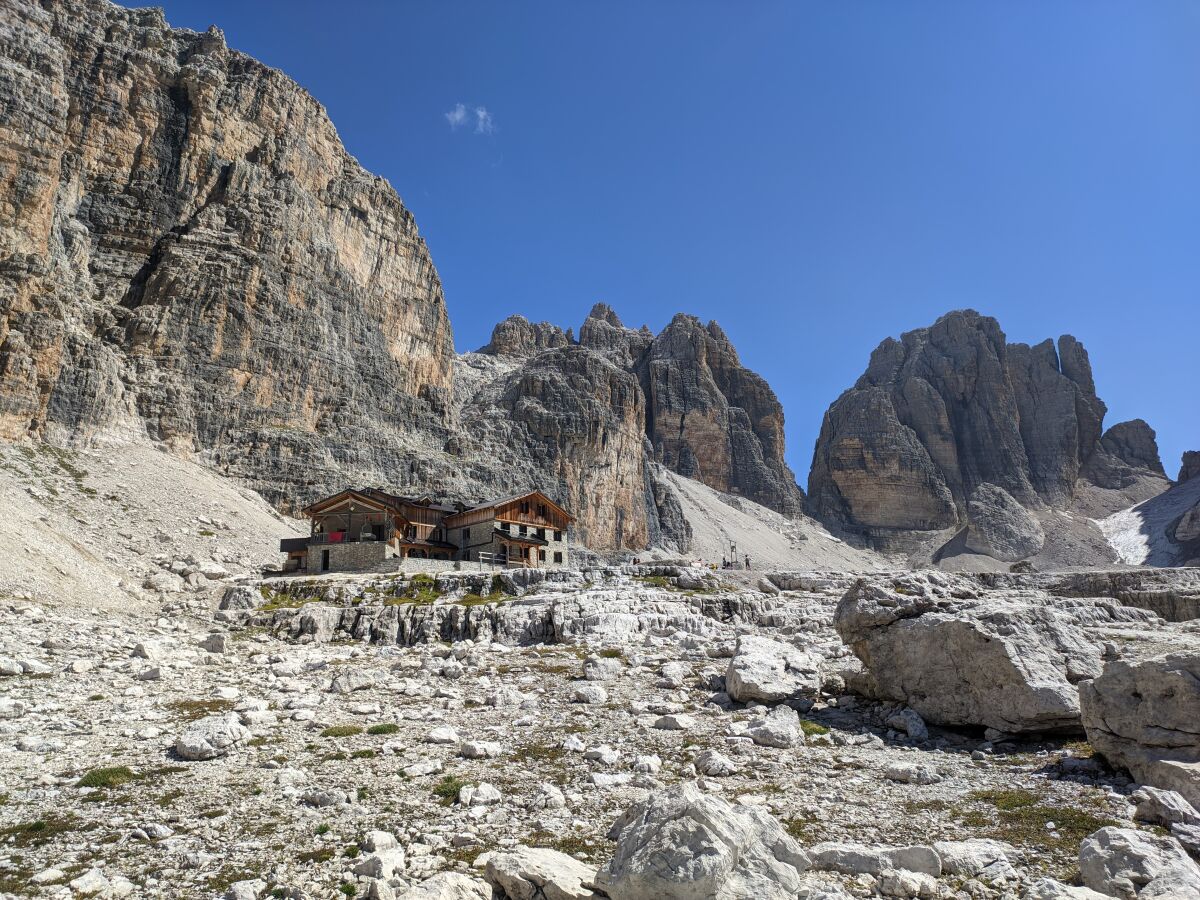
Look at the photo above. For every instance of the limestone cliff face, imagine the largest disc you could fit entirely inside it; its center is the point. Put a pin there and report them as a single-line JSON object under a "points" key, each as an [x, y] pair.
{"points": [[949, 408], [711, 419], [191, 256], [699, 411], [570, 422]]}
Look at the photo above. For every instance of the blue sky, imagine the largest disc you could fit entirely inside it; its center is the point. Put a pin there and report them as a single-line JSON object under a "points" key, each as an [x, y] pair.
{"points": [[814, 176]]}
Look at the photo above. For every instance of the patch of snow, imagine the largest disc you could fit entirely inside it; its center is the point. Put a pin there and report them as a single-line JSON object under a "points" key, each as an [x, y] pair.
{"points": [[1139, 534]]}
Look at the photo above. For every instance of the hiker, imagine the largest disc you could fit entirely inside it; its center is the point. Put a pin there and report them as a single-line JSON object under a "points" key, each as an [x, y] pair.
{"points": [[747, 562]]}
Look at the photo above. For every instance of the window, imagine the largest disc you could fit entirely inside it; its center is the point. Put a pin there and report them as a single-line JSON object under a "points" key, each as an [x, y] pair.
{"points": [[542, 510], [558, 535], [541, 533], [525, 507], [542, 555], [466, 534], [558, 556], [505, 526], [522, 530]]}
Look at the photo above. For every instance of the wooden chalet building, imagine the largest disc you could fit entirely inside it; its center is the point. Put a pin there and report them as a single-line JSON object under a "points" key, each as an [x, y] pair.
{"points": [[362, 529]]}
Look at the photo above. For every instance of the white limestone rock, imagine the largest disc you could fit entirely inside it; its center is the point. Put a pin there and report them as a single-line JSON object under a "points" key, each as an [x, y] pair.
{"points": [[958, 655], [859, 859], [778, 728], [1000, 527], [1125, 863], [767, 671], [715, 765], [534, 873], [1142, 716], [1160, 807], [682, 844], [211, 737], [448, 886], [1050, 889]]}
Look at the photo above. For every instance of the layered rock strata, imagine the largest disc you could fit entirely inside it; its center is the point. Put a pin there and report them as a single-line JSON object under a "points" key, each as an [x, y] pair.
{"points": [[960, 656], [193, 260], [949, 409], [192, 257], [1142, 715], [703, 414]]}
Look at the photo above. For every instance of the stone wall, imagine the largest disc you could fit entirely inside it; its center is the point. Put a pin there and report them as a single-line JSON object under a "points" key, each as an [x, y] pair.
{"points": [[354, 557]]}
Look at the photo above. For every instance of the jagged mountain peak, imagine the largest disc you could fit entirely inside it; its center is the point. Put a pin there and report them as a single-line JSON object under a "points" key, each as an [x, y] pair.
{"points": [[952, 408]]}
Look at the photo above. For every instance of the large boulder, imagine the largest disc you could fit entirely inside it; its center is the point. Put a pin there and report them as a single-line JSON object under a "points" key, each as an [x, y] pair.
{"points": [[767, 671], [535, 873], [1001, 527], [1187, 529], [1008, 660], [682, 844], [1145, 716], [1126, 863]]}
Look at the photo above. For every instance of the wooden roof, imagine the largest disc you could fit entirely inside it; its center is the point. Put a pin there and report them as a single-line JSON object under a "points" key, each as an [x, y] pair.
{"points": [[350, 494], [495, 504]]}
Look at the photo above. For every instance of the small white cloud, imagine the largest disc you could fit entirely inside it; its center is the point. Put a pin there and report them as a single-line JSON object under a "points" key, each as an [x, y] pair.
{"points": [[457, 116], [483, 121]]}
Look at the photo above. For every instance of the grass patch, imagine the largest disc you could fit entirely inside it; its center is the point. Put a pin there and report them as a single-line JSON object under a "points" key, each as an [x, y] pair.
{"points": [[912, 807], [230, 875], [549, 753], [113, 776], [466, 854], [168, 798], [95, 698], [419, 590], [1006, 800], [273, 600], [384, 728], [324, 854], [572, 843], [1019, 817], [1080, 749], [447, 789], [42, 831], [191, 710], [481, 599], [363, 754], [207, 532], [804, 829], [811, 728], [337, 731]]}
